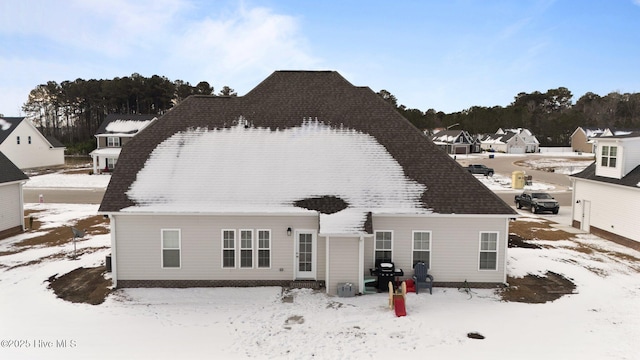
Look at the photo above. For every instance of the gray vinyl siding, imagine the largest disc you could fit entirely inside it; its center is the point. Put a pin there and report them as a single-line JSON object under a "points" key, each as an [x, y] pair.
{"points": [[10, 211], [455, 246], [138, 250], [343, 262]]}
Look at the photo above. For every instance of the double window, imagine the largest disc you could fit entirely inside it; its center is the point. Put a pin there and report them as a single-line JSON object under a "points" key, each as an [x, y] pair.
{"points": [[170, 248], [383, 245], [488, 251], [609, 156], [253, 250], [421, 247], [113, 141], [111, 163]]}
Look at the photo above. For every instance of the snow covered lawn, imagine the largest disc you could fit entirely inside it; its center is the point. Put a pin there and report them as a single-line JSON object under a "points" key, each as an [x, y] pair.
{"points": [[601, 320]]}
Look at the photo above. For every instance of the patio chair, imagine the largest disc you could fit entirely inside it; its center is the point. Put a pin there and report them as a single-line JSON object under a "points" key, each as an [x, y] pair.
{"points": [[421, 277]]}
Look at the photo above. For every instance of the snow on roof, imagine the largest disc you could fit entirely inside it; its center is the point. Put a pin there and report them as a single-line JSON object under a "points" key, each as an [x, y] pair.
{"points": [[4, 124], [245, 167], [106, 151], [126, 126]]}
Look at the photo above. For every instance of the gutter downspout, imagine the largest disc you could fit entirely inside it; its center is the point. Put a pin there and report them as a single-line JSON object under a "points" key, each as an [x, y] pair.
{"points": [[22, 204], [326, 260], [506, 248], [114, 261], [361, 264]]}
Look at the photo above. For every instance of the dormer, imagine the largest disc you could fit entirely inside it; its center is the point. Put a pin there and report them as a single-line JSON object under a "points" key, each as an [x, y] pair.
{"points": [[617, 155]]}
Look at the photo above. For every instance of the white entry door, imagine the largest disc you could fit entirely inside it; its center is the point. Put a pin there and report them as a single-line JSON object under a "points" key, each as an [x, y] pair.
{"points": [[305, 255], [585, 224]]}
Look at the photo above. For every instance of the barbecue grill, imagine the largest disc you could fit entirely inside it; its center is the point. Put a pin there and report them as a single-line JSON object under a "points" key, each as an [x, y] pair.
{"points": [[385, 271]]}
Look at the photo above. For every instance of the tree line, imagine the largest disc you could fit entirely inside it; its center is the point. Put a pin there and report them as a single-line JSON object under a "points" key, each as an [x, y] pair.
{"points": [[72, 111], [551, 115]]}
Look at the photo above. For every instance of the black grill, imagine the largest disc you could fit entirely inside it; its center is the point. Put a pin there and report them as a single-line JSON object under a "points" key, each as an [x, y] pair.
{"points": [[385, 271]]}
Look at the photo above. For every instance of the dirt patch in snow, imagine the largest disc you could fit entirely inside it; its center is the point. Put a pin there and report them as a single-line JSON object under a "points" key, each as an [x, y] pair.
{"points": [[534, 289], [82, 285], [537, 230]]}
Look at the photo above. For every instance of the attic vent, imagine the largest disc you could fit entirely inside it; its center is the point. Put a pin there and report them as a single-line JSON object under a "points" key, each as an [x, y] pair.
{"points": [[327, 204]]}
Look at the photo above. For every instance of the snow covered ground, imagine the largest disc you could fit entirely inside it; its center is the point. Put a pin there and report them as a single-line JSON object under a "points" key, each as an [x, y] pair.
{"points": [[600, 321]]}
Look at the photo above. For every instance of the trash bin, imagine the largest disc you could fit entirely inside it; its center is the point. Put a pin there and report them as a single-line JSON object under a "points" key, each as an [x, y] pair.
{"points": [[517, 180]]}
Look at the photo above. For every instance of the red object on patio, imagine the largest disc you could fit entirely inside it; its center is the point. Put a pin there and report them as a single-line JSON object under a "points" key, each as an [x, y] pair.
{"points": [[411, 286]]}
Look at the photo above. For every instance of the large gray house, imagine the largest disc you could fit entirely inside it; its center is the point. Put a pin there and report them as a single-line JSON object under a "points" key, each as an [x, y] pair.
{"points": [[305, 178]]}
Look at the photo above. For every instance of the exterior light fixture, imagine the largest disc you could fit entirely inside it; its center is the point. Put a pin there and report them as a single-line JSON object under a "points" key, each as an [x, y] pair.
{"points": [[288, 231]]}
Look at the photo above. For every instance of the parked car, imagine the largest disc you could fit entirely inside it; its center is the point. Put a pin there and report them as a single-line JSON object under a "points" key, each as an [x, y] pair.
{"points": [[537, 202], [480, 169]]}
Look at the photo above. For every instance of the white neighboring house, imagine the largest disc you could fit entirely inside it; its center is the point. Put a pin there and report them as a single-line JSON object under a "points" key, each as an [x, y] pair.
{"points": [[26, 147], [531, 142], [606, 195], [508, 143], [114, 132], [11, 200], [307, 179]]}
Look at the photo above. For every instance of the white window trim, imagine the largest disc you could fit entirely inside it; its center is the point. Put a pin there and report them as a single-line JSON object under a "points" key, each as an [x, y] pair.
{"points": [[608, 156], [375, 243], [413, 249], [261, 248], [241, 248], [496, 251], [116, 142], [235, 251], [162, 248]]}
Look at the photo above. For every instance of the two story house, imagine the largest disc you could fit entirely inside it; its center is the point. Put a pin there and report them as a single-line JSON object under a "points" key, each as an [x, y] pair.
{"points": [[114, 132], [606, 195], [26, 147], [456, 142]]}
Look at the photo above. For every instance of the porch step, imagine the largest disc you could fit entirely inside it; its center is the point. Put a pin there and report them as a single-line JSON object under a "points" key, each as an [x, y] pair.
{"points": [[306, 284]]}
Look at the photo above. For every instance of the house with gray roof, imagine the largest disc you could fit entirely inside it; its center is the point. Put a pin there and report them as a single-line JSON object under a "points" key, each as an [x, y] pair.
{"points": [[456, 142], [11, 200], [306, 179], [508, 143], [606, 195], [114, 132], [26, 147]]}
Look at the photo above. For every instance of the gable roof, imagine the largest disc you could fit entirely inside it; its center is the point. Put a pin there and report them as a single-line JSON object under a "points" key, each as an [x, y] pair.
{"points": [[503, 138], [124, 123], [632, 179], [449, 136], [7, 125], [294, 127], [9, 172], [54, 142]]}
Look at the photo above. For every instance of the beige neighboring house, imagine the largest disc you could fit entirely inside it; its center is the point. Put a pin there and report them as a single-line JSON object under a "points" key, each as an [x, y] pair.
{"points": [[307, 180], [114, 132], [606, 195], [11, 200], [26, 147]]}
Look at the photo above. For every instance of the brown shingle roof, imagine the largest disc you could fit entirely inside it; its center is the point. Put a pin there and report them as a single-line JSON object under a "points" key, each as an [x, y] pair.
{"points": [[282, 101]]}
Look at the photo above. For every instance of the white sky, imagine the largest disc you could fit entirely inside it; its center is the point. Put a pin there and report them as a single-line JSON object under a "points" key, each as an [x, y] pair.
{"points": [[430, 54]]}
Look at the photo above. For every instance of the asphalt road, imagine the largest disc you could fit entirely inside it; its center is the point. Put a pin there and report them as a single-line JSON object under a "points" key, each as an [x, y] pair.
{"points": [[505, 165], [64, 196]]}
